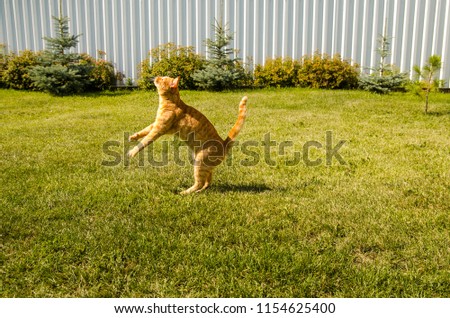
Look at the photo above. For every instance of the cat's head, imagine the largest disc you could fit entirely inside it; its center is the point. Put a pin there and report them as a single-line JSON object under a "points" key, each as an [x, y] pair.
{"points": [[167, 86]]}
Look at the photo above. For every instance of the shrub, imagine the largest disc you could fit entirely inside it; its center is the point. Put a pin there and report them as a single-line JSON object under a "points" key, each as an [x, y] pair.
{"points": [[4, 58], [17, 71], [277, 73], [170, 60], [102, 75], [323, 71], [221, 71]]}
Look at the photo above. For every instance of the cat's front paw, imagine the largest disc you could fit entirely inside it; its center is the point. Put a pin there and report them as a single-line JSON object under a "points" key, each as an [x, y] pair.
{"points": [[133, 152], [133, 137]]}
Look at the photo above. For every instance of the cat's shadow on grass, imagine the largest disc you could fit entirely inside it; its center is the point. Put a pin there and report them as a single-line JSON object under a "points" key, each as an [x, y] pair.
{"points": [[243, 188], [439, 113], [248, 188]]}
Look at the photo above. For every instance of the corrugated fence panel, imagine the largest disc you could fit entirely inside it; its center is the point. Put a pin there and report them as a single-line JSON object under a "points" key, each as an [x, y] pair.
{"points": [[127, 29]]}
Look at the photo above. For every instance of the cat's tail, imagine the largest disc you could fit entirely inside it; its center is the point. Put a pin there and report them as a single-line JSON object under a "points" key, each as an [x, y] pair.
{"points": [[239, 123]]}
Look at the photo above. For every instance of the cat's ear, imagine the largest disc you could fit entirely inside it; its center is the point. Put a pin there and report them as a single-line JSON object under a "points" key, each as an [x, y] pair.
{"points": [[174, 83]]}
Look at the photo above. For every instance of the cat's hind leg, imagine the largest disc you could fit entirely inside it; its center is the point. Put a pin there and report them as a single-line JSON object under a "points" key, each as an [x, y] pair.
{"points": [[192, 189], [207, 180], [202, 177]]}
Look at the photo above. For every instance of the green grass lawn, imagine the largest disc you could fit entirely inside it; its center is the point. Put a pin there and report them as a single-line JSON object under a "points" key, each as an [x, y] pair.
{"points": [[378, 226]]}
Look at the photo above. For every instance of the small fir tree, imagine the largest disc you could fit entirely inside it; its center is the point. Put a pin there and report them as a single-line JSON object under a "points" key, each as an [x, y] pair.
{"points": [[385, 77], [61, 72], [384, 51], [426, 77], [64, 41], [221, 71]]}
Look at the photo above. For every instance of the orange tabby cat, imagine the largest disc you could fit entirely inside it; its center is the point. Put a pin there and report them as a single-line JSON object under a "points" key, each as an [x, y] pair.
{"points": [[174, 116]]}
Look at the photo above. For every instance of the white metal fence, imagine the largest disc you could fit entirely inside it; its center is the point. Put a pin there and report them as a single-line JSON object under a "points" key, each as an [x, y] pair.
{"points": [[127, 29]]}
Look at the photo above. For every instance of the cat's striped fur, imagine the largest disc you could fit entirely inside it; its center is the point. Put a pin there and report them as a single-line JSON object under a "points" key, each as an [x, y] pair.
{"points": [[175, 117]]}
